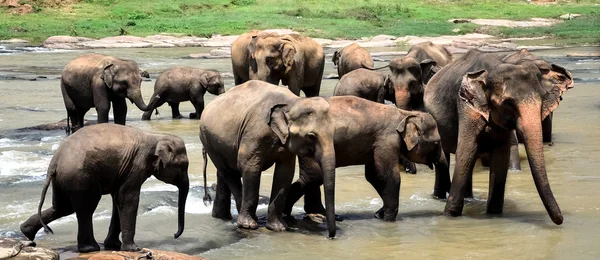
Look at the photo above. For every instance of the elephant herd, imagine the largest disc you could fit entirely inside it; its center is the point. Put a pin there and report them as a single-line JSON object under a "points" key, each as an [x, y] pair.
{"points": [[479, 105]]}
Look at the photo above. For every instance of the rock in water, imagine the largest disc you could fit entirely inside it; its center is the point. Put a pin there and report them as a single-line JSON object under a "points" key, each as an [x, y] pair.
{"points": [[11, 248], [144, 254]]}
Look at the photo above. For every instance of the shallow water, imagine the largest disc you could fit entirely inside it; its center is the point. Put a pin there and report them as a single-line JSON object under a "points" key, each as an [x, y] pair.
{"points": [[523, 231]]}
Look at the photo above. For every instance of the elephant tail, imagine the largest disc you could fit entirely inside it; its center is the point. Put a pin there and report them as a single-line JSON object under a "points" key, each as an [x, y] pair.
{"points": [[378, 68], [51, 174], [68, 129], [207, 199]]}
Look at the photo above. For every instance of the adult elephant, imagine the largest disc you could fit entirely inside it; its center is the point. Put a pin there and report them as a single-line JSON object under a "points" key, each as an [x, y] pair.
{"points": [[477, 101], [352, 57], [95, 80], [181, 84], [374, 86], [295, 60], [342, 131], [412, 72], [239, 135], [109, 159]]}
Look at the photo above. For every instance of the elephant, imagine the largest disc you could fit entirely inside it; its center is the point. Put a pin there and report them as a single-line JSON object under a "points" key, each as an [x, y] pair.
{"points": [[180, 84], [347, 130], [240, 57], [237, 132], [295, 60], [352, 57], [411, 73], [109, 159], [370, 85], [477, 100], [95, 80]]}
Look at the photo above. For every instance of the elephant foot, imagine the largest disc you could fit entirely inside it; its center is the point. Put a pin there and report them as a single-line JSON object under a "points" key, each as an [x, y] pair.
{"points": [[453, 211], [247, 222], [276, 225], [316, 208], [194, 116], [28, 231], [494, 210], [145, 117], [131, 247], [88, 248], [178, 116], [386, 214], [411, 168], [221, 214], [289, 219], [469, 194], [439, 194], [112, 245]]}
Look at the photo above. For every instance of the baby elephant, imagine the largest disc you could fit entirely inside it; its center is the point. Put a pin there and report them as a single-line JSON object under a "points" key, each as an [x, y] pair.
{"points": [[366, 84], [182, 84], [109, 159]]}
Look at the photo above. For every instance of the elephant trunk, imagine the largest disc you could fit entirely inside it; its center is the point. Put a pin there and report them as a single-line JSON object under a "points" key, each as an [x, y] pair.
{"points": [[402, 97], [442, 176], [136, 97], [327, 163], [530, 127], [184, 186]]}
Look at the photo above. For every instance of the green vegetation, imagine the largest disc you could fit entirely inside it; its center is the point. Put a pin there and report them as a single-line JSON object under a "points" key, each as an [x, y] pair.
{"points": [[317, 18]]}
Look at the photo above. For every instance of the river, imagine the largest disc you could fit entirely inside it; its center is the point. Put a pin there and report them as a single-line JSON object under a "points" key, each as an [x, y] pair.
{"points": [[524, 231]]}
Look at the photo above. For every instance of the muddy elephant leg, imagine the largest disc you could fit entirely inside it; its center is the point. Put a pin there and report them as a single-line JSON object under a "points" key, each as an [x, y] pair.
{"points": [[498, 171], [387, 185], [128, 202], [442, 179], [514, 161], [112, 241], [251, 183], [199, 106], [119, 110], [547, 128], [175, 114], [84, 204], [282, 180], [409, 166], [469, 185], [222, 204], [61, 207], [466, 155]]}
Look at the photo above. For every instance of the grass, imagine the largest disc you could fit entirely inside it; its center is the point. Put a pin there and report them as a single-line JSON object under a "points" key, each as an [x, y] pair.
{"points": [[349, 19]]}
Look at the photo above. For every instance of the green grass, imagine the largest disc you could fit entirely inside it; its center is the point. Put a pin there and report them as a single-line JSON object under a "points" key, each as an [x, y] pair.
{"points": [[331, 19]]}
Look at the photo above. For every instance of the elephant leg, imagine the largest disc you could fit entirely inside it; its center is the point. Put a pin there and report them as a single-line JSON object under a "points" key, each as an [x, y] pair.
{"points": [[175, 110], [60, 207], [84, 204], [102, 104], [469, 185], [282, 180], [222, 204], [515, 160], [311, 176], [466, 155], [79, 119], [547, 128], [112, 241], [409, 166], [128, 202], [387, 185], [155, 102], [199, 106], [498, 171], [442, 180], [251, 183], [119, 110]]}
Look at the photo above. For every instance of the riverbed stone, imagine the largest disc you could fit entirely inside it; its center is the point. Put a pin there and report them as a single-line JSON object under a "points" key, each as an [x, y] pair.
{"points": [[64, 42], [14, 41], [11, 248], [124, 255]]}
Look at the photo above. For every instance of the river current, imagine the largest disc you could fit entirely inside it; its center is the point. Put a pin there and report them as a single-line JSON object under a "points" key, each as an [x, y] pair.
{"points": [[524, 231]]}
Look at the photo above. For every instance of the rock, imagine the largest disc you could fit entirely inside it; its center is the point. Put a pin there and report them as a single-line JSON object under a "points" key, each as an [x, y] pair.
{"points": [[456, 30], [17, 249], [331, 76], [60, 125], [64, 42], [459, 20], [569, 16], [14, 41], [535, 22], [23, 9], [226, 75], [323, 42], [221, 52], [123, 255], [593, 54], [383, 37], [10, 3]]}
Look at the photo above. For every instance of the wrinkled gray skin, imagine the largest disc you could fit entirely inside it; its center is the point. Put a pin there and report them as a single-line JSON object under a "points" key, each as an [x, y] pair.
{"points": [[412, 72], [238, 135], [295, 60], [350, 58], [342, 131], [478, 101], [240, 57], [181, 84], [94, 80], [370, 85], [109, 159]]}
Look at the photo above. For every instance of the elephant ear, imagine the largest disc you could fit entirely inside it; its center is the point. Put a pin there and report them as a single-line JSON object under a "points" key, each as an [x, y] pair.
{"points": [[427, 69], [164, 153], [409, 131], [204, 80], [336, 58], [252, 46], [108, 75], [288, 52], [473, 95], [278, 121]]}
